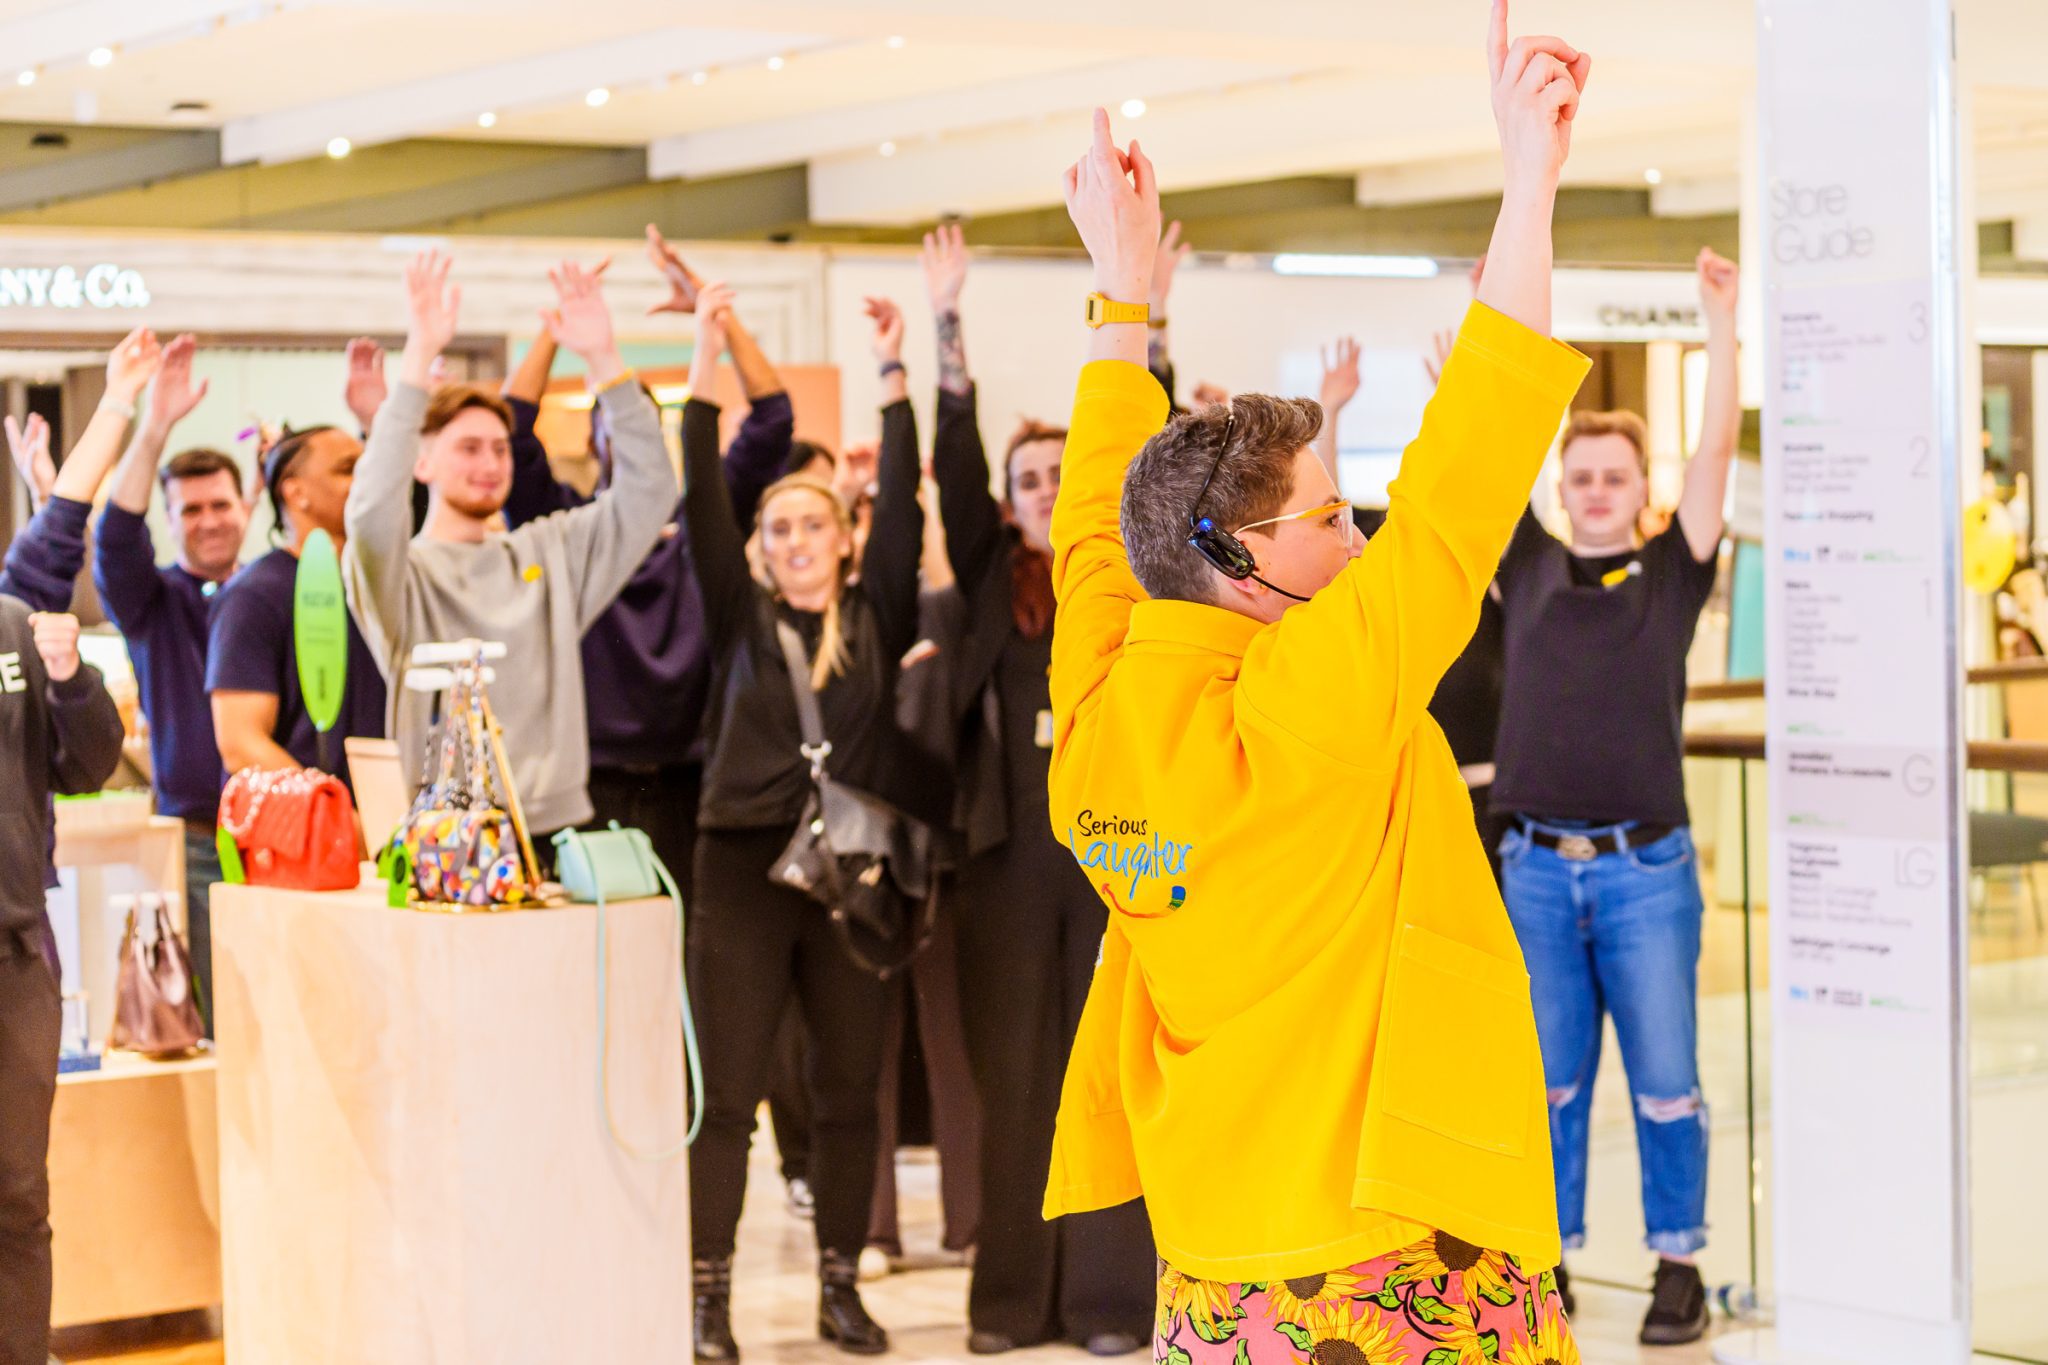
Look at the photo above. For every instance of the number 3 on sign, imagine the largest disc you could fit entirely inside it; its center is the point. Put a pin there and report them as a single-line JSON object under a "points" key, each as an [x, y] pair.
{"points": [[1916, 323]]}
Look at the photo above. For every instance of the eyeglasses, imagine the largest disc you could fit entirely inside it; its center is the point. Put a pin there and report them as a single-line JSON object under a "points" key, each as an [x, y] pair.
{"points": [[1340, 509]]}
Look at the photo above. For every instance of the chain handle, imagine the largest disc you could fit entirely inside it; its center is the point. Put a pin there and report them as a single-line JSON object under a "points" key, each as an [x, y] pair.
{"points": [[261, 783]]}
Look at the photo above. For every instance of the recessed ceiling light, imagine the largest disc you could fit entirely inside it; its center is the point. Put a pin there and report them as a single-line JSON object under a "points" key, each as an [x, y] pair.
{"points": [[777, 62], [896, 40], [101, 56], [27, 77], [339, 147], [598, 98], [1134, 108], [487, 119], [190, 109], [887, 149], [699, 77], [1653, 176]]}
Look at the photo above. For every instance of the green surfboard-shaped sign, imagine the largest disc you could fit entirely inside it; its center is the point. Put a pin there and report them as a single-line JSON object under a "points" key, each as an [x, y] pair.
{"points": [[320, 630]]}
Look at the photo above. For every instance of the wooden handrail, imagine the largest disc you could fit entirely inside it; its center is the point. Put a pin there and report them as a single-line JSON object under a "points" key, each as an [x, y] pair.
{"points": [[1986, 755], [1752, 689]]}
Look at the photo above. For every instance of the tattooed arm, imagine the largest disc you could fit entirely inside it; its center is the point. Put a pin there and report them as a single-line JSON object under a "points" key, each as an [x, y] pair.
{"points": [[945, 270]]}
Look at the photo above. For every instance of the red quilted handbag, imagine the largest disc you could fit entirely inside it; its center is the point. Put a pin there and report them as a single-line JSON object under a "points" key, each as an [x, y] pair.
{"points": [[295, 828]]}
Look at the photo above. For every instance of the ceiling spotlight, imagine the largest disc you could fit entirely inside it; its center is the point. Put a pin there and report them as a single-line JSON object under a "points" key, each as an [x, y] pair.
{"points": [[598, 98], [1653, 176], [339, 147], [190, 110], [101, 56], [777, 62], [487, 119], [1134, 108], [27, 77], [699, 77], [896, 41], [887, 149]]}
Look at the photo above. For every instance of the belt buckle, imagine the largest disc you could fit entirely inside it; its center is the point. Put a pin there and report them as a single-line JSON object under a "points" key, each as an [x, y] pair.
{"points": [[1576, 848]]}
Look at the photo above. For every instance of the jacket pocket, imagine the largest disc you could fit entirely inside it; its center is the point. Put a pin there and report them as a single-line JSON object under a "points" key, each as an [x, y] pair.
{"points": [[1456, 1054]]}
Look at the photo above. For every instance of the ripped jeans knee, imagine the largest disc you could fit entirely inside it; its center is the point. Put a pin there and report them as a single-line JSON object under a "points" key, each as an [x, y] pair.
{"points": [[1674, 1110]]}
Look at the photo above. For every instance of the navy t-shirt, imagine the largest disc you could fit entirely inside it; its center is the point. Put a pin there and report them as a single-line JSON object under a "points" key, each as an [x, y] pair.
{"points": [[252, 650]]}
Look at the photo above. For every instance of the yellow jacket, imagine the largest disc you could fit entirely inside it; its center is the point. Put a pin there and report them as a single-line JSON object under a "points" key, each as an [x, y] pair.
{"points": [[1309, 1037]]}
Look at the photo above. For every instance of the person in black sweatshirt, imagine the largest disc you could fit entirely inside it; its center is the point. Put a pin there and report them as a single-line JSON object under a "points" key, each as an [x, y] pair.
{"points": [[755, 942], [1030, 925], [59, 732]]}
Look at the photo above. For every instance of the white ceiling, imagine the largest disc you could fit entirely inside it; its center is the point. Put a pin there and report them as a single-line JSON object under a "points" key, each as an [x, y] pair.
{"points": [[977, 103]]}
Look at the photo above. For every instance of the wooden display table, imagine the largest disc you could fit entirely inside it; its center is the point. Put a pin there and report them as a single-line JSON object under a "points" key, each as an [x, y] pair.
{"points": [[134, 1190], [414, 1163]]}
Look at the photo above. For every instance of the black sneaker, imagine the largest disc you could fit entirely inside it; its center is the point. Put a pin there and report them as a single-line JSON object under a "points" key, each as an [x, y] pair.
{"points": [[1564, 1292], [1678, 1306]]}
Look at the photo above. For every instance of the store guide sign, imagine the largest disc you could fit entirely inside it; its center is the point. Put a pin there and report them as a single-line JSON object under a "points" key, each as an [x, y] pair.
{"points": [[105, 286], [1861, 433]]}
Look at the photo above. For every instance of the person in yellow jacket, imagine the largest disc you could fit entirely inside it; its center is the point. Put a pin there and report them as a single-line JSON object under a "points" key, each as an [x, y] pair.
{"points": [[1309, 1042]]}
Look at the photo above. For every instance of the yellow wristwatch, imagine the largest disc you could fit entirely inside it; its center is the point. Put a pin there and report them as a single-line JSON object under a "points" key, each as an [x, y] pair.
{"points": [[1103, 310]]}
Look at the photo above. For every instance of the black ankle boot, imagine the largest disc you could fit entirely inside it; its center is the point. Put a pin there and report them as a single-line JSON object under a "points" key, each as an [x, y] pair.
{"points": [[712, 1282], [842, 1319]]}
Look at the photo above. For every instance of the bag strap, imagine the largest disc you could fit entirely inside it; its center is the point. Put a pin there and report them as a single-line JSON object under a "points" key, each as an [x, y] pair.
{"points": [[692, 1063], [815, 746], [921, 935]]}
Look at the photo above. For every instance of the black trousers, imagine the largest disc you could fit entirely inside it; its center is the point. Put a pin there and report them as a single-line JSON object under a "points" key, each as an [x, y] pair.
{"points": [[30, 1026], [662, 804], [1030, 930], [755, 945]]}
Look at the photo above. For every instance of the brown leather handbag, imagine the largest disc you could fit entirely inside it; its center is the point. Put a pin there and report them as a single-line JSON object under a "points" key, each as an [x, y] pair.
{"points": [[154, 1011]]}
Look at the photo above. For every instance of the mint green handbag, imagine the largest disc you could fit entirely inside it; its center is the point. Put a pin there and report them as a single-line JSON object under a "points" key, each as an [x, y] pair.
{"points": [[600, 866]]}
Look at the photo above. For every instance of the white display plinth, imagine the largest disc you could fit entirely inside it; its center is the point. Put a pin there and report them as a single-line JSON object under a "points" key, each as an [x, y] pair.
{"points": [[414, 1163]]}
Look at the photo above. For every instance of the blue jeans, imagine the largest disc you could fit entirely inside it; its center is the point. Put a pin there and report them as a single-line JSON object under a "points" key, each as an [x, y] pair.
{"points": [[1619, 934]]}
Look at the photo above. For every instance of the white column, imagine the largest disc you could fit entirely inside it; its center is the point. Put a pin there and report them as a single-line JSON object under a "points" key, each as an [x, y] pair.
{"points": [[1861, 233]]}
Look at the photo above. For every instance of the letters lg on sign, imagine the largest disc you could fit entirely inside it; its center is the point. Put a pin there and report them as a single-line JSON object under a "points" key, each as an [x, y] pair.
{"points": [[100, 286]]}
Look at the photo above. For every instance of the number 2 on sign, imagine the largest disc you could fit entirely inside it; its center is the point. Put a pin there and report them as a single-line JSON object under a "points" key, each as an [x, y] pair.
{"points": [[1923, 454]]}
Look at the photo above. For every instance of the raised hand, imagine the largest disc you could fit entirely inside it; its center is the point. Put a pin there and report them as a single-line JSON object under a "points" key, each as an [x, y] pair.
{"points": [[1167, 259], [1536, 86], [29, 443], [887, 342], [855, 474], [944, 257], [580, 321], [132, 364], [713, 304], [1720, 287], [56, 637], [365, 390], [1440, 353], [1340, 377], [683, 284], [1113, 198], [1210, 395], [172, 399], [432, 306]]}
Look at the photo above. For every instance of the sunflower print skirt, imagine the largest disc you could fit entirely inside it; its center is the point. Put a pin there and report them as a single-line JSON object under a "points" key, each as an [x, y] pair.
{"points": [[1438, 1302]]}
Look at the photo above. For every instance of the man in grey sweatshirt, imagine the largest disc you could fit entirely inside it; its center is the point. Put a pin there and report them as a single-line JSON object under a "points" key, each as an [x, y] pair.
{"points": [[536, 589]]}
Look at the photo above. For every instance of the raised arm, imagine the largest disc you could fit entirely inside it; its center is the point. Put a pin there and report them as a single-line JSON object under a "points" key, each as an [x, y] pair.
{"points": [[536, 492], [1374, 644], [760, 448], [888, 570], [124, 567], [1340, 386], [378, 514], [85, 726], [1113, 198], [718, 542], [609, 538], [1700, 507], [1536, 88], [972, 521], [1166, 261]]}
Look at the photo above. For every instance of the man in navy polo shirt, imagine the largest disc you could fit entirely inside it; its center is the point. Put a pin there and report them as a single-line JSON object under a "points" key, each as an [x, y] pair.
{"points": [[163, 614]]}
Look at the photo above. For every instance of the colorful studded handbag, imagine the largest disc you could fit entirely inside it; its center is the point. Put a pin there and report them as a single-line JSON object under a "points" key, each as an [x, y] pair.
{"points": [[458, 844]]}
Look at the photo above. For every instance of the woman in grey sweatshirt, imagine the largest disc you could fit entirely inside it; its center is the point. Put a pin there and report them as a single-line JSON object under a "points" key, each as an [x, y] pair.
{"points": [[536, 589]]}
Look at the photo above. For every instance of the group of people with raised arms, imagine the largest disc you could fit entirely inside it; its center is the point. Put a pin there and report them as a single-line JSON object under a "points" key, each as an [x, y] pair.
{"points": [[1272, 1055]]}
